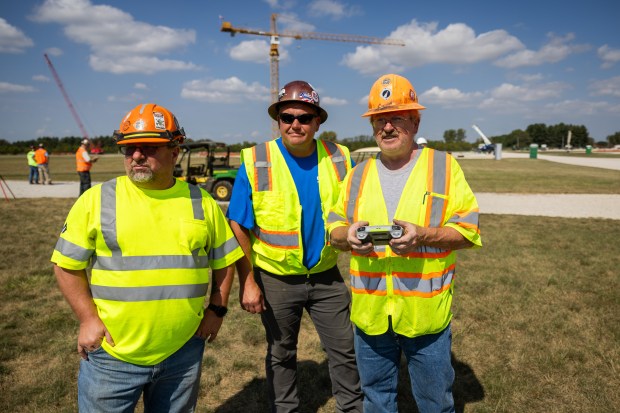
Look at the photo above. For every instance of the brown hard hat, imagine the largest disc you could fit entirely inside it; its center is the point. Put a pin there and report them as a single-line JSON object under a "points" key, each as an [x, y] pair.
{"points": [[297, 91]]}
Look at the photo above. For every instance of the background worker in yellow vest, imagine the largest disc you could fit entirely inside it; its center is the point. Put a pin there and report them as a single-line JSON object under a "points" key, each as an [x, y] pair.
{"points": [[402, 291], [42, 158], [33, 176], [279, 204], [84, 162], [148, 242]]}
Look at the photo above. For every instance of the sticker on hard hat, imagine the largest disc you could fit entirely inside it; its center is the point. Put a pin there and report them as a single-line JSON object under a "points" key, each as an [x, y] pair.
{"points": [[386, 93], [412, 95], [281, 94], [160, 122], [309, 97], [139, 124], [386, 81]]}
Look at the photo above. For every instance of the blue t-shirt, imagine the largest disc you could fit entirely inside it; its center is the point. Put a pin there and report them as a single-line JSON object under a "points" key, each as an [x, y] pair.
{"points": [[305, 173]]}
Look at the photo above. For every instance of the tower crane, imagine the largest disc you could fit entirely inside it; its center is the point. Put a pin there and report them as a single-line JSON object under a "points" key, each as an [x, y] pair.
{"points": [[64, 94], [274, 54]]}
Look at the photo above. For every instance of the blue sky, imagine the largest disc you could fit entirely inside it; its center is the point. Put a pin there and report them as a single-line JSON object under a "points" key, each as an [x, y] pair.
{"points": [[500, 65]]}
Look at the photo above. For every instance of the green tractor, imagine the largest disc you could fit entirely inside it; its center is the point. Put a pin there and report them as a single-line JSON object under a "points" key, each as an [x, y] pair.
{"points": [[207, 164]]}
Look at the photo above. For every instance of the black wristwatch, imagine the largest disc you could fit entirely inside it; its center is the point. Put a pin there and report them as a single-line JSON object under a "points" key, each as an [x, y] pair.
{"points": [[219, 310]]}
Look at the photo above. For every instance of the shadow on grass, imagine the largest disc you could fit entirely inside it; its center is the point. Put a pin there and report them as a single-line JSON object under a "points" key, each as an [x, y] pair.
{"points": [[314, 387], [466, 388], [315, 390]]}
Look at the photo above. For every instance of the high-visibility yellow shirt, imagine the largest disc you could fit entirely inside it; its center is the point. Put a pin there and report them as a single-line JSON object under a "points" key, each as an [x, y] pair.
{"points": [[414, 290], [150, 252]]}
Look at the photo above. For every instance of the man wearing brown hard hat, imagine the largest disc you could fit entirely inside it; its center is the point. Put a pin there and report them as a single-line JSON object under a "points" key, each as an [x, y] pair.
{"points": [[402, 289], [278, 209]]}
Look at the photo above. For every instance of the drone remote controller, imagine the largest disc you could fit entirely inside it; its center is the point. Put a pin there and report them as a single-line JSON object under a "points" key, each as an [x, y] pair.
{"points": [[379, 234]]}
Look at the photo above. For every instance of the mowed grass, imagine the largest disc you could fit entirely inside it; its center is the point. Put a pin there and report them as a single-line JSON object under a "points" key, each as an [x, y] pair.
{"points": [[536, 323], [484, 175]]}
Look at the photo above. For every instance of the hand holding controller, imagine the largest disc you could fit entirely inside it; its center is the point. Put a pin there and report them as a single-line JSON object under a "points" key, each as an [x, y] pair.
{"points": [[379, 234]]}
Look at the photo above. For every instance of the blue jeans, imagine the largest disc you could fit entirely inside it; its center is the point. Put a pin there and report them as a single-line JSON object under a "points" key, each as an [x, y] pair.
{"points": [[106, 384], [428, 361], [33, 177]]}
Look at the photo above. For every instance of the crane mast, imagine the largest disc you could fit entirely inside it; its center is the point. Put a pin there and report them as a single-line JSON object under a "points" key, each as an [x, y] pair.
{"points": [[274, 54], [64, 94]]}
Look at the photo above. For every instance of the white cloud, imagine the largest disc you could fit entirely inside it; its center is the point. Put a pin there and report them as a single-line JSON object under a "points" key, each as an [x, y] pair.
{"points": [[608, 55], [132, 97], [40, 78], [332, 8], [231, 90], [256, 51], [141, 86], [120, 39], [449, 97], [12, 40], [54, 51], [557, 49], [606, 87], [327, 100], [425, 44], [6, 87], [572, 107], [528, 93]]}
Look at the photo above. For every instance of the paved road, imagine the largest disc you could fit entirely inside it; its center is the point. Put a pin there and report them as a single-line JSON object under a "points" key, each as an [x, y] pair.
{"points": [[557, 205]]}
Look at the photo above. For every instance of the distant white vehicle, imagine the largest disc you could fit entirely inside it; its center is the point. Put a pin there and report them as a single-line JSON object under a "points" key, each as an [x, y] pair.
{"points": [[359, 155]]}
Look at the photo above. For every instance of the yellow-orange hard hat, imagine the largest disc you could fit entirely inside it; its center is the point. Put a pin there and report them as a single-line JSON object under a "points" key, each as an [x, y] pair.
{"points": [[149, 123], [391, 93]]}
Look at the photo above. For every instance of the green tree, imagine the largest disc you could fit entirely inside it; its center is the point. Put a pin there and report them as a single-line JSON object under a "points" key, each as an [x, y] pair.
{"points": [[614, 139], [329, 136]]}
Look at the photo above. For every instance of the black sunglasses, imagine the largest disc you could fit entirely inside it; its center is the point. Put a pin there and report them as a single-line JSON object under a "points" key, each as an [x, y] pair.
{"points": [[304, 119], [147, 150]]}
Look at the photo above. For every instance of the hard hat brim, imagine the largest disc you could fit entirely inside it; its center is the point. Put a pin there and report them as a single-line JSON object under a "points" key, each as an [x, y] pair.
{"points": [[394, 108], [131, 141], [274, 109]]}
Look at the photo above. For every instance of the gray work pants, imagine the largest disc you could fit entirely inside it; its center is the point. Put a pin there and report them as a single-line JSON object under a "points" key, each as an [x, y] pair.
{"points": [[326, 298]]}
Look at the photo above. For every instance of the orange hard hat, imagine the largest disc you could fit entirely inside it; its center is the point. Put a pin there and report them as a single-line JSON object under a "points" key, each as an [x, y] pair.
{"points": [[391, 93], [149, 123], [298, 91]]}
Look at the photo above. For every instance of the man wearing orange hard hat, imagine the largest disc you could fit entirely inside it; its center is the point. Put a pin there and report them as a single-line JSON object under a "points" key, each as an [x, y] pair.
{"points": [[149, 242], [402, 216]]}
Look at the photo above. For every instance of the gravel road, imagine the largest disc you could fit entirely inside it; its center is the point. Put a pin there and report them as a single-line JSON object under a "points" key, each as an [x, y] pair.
{"points": [[556, 205]]}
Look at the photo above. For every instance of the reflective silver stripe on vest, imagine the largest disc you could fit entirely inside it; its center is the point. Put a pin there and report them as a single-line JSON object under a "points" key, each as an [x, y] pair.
{"points": [[133, 294], [355, 189], [439, 187], [117, 262], [404, 284], [333, 217], [337, 159], [471, 218], [224, 249], [262, 168], [414, 284], [277, 240], [196, 197], [73, 251], [150, 262], [368, 283], [108, 215]]}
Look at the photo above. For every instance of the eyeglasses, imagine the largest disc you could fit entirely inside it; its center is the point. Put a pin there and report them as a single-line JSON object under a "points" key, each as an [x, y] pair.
{"points": [[150, 150], [304, 119], [396, 121]]}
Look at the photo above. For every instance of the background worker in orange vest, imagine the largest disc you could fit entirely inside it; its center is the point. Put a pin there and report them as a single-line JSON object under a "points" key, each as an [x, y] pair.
{"points": [[402, 290], [42, 158], [84, 162]]}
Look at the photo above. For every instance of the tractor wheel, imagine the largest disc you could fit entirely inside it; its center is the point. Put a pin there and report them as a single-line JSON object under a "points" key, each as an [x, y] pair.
{"points": [[222, 190]]}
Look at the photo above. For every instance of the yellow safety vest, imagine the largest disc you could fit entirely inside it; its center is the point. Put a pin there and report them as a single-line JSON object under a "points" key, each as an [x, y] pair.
{"points": [[276, 238], [414, 290], [150, 252]]}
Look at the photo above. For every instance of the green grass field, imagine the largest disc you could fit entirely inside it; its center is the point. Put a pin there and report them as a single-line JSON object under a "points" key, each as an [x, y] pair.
{"points": [[536, 313]]}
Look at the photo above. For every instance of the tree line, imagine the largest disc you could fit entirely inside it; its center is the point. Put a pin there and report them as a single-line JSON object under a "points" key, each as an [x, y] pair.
{"points": [[554, 136]]}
